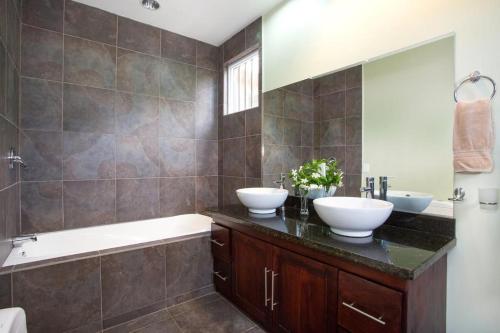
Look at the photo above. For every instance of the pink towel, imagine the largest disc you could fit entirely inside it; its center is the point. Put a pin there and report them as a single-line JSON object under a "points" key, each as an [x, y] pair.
{"points": [[473, 137]]}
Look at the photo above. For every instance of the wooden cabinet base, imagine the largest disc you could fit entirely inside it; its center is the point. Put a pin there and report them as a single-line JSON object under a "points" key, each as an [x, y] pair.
{"points": [[286, 290]]}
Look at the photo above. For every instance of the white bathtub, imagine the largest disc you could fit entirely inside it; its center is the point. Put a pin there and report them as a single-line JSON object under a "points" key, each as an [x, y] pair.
{"points": [[79, 241]]}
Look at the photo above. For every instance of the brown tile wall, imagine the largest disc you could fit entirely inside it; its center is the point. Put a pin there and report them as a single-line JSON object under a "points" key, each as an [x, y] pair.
{"points": [[118, 119], [109, 289], [287, 129], [9, 122], [337, 114], [318, 118], [240, 139]]}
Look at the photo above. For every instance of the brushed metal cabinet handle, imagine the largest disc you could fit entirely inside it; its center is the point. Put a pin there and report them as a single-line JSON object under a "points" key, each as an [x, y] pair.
{"points": [[352, 307], [216, 242], [266, 299], [273, 303], [223, 278]]}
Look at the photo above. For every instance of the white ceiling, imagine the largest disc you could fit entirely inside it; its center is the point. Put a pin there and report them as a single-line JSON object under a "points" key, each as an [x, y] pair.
{"points": [[211, 21]]}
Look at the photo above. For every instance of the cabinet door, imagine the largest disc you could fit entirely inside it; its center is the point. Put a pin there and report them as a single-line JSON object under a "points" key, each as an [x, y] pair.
{"points": [[301, 293], [252, 260]]}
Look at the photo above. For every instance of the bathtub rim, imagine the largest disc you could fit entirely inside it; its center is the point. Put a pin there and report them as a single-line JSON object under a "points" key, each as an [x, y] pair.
{"points": [[92, 254]]}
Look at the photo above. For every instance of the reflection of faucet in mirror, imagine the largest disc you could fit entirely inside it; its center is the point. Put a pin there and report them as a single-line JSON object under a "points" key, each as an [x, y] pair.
{"points": [[369, 188], [280, 181], [384, 185]]}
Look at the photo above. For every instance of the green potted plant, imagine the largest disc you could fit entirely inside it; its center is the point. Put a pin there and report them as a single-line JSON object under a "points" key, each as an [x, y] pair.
{"points": [[315, 179]]}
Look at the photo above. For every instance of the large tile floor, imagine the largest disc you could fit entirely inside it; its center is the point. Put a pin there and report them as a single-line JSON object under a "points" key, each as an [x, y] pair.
{"points": [[211, 314]]}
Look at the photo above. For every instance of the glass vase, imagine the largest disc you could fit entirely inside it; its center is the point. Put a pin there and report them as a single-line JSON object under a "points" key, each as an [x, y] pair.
{"points": [[304, 209], [322, 192]]}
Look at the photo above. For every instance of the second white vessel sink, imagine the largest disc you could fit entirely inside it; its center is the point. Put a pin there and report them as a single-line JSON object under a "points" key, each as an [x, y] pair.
{"points": [[410, 202], [262, 200], [353, 217]]}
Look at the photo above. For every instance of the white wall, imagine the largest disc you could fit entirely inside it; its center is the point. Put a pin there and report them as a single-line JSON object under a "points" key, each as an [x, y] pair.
{"points": [[304, 38]]}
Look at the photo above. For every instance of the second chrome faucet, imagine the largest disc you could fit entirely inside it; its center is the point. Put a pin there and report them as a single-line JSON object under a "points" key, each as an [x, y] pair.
{"points": [[369, 188]]}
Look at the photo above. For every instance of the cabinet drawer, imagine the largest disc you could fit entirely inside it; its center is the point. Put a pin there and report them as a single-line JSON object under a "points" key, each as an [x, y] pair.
{"points": [[222, 277], [365, 306], [221, 247]]}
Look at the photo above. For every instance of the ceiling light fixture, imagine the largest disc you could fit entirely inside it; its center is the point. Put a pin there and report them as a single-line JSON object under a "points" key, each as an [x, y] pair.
{"points": [[150, 4]]}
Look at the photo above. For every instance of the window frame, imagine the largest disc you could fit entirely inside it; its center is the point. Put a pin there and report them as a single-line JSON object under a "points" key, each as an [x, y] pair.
{"points": [[242, 57]]}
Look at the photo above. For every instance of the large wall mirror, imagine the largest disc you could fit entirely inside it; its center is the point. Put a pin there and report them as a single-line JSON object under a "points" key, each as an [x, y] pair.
{"points": [[392, 116]]}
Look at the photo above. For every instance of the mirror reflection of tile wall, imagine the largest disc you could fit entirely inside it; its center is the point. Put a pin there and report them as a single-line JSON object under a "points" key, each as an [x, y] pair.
{"points": [[315, 118]]}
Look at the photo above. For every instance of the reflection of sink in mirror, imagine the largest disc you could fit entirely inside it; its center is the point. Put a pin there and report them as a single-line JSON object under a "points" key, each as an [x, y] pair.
{"points": [[408, 201]]}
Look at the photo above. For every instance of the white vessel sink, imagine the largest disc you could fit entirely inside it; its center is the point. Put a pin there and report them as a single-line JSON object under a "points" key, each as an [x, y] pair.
{"points": [[410, 202], [353, 217], [13, 320], [262, 200]]}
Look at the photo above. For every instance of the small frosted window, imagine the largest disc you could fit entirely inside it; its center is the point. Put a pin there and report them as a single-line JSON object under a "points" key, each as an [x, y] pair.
{"points": [[243, 84]]}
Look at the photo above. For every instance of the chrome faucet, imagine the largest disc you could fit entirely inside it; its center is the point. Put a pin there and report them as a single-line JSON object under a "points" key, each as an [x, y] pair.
{"points": [[384, 185], [369, 188], [281, 181], [13, 158], [19, 240]]}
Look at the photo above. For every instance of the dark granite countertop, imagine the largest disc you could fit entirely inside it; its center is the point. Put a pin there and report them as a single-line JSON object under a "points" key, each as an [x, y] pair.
{"points": [[400, 251]]}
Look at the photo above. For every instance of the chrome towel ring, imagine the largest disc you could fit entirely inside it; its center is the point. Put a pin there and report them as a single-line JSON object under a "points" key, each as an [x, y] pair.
{"points": [[474, 77]]}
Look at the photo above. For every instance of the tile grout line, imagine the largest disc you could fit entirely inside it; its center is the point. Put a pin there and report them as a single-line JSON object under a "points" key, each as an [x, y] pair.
{"points": [[124, 92], [245, 120], [115, 124], [158, 141], [195, 204], [10, 57], [18, 125], [345, 121], [283, 132], [4, 117], [62, 115], [108, 179], [220, 116], [100, 291]]}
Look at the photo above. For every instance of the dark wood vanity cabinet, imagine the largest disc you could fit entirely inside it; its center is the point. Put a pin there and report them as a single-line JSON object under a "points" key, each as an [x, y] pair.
{"points": [[285, 290], [278, 288]]}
